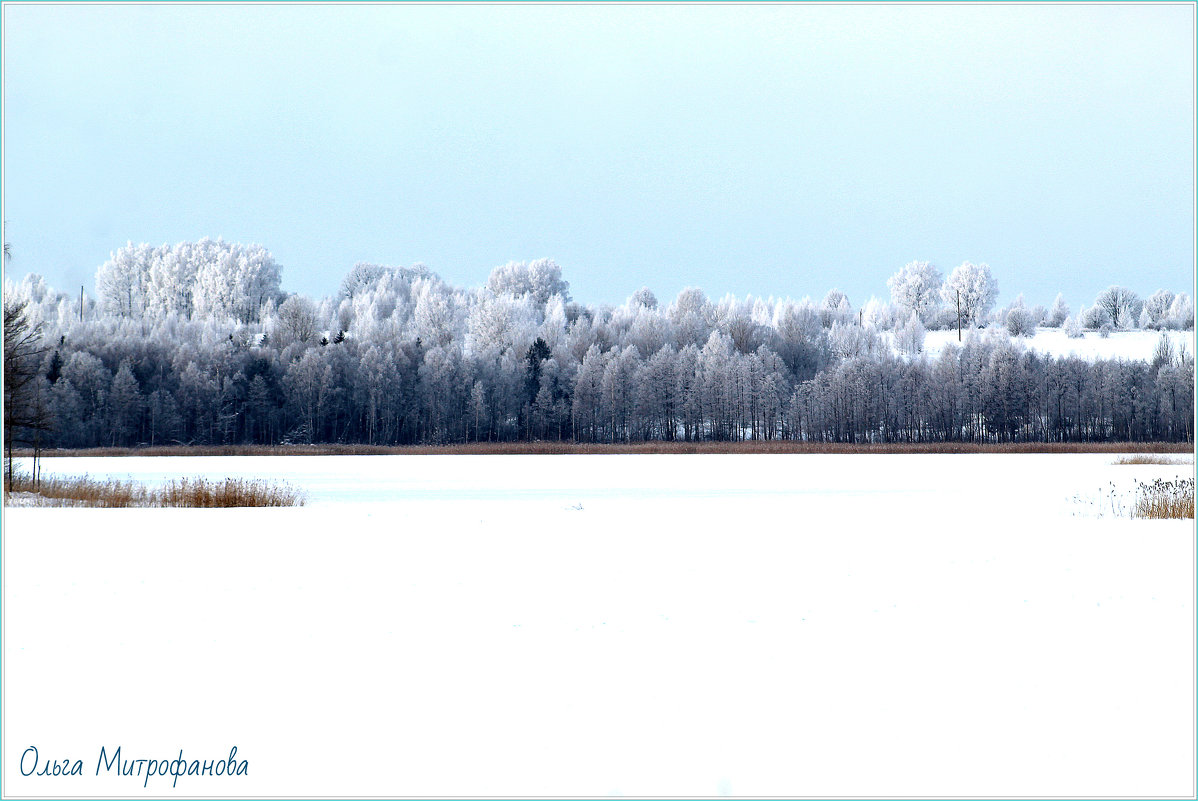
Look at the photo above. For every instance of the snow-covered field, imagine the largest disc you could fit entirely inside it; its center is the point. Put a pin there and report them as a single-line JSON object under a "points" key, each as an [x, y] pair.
{"points": [[1138, 345], [598, 625]]}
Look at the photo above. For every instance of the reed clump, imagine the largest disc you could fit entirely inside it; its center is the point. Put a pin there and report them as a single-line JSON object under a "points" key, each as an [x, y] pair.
{"points": [[1164, 500], [117, 494], [232, 492], [1148, 458]]}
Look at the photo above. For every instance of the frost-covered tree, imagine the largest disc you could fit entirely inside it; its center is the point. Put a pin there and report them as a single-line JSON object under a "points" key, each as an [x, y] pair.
{"points": [[877, 314], [835, 308], [121, 281], [916, 288], [1020, 322], [974, 288], [1157, 309], [850, 341], [1073, 327], [691, 316], [210, 278], [735, 318], [1181, 312], [363, 277], [801, 341], [1122, 306], [909, 336], [1163, 355], [539, 280], [433, 317], [125, 406], [503, 322], [405, 358], [1058, 313], [296, 321], [643, 297], [1094, 317]]}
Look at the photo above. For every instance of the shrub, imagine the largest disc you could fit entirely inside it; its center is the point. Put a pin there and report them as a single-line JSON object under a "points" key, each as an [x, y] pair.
{"points": [[1020, 322]]}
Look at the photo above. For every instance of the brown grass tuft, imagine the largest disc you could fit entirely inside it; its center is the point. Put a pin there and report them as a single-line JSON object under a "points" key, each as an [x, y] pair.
{"points": [[232, 492], [115, 494], [1162, 499], [1148, 459]]}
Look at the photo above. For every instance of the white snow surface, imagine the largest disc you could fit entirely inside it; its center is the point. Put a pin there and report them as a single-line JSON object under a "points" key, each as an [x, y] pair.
{"points": [[807, 625], [1128, 345]]}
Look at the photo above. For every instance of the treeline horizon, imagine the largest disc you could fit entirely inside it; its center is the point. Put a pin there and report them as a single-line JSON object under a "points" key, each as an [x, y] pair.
{"points": [[196, 345]]}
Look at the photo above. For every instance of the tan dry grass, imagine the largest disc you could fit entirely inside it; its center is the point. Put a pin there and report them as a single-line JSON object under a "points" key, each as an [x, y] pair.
{"points": [[1145, 458], [552, 448], [191, 493], [232, 492], [1165, 500]]}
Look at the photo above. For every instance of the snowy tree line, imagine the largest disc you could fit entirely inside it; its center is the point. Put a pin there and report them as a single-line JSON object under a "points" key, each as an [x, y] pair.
{"points": [[197, 344]]}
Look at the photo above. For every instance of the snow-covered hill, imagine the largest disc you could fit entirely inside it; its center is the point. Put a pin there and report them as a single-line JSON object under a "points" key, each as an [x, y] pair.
{"points": [[1053, 341]]}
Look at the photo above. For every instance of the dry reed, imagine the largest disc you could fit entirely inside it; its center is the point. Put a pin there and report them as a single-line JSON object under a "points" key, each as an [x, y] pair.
{"points": [[1148, 459], [113, 493], [1162, 499]]}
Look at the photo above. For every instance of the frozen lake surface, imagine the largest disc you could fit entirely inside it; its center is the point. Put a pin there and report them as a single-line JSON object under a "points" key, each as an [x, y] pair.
{"points": [[603, 625], [1037, 483]]}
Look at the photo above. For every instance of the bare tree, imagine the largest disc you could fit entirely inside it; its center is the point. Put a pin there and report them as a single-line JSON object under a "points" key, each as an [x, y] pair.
{"points": [[26, 413]]}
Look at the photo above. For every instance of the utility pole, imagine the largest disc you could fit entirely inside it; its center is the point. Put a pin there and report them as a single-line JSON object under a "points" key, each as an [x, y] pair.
{"points": [[958, 315], [80, 303]]}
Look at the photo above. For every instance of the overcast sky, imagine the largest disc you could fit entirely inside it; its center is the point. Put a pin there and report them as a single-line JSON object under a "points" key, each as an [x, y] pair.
{"points": [[749, 149]]}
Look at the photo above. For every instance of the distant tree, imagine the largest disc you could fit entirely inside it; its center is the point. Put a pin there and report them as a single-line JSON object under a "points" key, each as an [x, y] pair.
{"points": [[297, 320], [909, 336], [361, 278], [877, 314], [54, 370], [643, 297], [835, 308], [121, 281], [850, 341], [1164, 354], [539, 280], [692, 317], [1019, 322], [975, 287], [1058, 313], [1157, 308], [125, 405], [211, 278], [916, 288], [1122, 306], [1181, 312], [1094, 317], [538, 353], [1073, 327]]}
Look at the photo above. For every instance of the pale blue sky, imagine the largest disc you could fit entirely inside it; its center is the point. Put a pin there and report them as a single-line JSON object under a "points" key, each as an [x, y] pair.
{"points": [[748, 149]]}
